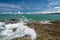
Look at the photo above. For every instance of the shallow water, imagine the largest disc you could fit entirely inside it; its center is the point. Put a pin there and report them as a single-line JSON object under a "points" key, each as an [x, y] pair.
{"points": [[37, 17], [26, 17]]}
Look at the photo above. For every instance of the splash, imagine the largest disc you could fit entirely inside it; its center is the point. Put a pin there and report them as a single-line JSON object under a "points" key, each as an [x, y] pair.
{"points": [[45, 22], [21, 31]]}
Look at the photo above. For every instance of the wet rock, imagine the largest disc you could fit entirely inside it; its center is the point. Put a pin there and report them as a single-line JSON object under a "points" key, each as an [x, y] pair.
{"points": [[44, 31]]}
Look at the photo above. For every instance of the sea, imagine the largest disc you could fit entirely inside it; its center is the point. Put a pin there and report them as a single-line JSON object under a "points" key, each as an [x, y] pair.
{"points": [[30, 17]]}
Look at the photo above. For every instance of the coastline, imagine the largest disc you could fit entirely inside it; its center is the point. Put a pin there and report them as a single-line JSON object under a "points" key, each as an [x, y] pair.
{"points": [[44, 31]]}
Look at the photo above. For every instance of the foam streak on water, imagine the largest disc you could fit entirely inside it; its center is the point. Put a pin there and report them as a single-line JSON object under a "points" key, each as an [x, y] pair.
{"points": [[45, 22], [21, 31]]}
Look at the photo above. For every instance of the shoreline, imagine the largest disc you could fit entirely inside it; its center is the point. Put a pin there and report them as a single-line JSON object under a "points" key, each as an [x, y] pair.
{"points": [[44, 31]]}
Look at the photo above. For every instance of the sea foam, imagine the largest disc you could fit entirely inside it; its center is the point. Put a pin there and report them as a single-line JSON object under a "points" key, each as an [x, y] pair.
{"points": [[45, 22], [21, 31]]}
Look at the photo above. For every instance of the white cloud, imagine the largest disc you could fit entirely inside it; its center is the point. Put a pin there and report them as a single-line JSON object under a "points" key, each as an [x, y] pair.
{"points": [[52, 7], [48, 11], [54, 2], [12, 12], [9, 7], [57, 7]]}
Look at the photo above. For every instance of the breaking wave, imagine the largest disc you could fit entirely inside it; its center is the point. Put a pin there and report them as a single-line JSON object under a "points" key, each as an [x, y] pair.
{"points": [[7, 33], [45, 22], [21, 30]]}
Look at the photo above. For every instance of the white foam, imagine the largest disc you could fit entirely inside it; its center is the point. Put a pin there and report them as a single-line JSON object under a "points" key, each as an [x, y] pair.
{"points": [[21, 31], [2, 23], [45, 22]]}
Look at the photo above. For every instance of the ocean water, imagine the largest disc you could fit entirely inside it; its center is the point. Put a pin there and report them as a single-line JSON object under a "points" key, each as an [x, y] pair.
{"points": [[21, 31], [31, 17], [37, 17]]}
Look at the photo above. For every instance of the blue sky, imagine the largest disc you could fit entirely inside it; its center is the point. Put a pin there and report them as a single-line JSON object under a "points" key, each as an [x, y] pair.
{"points": [[30, 6]]}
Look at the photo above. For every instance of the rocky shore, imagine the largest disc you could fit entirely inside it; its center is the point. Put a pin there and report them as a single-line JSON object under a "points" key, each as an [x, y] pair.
{"points": [[44, 31]]}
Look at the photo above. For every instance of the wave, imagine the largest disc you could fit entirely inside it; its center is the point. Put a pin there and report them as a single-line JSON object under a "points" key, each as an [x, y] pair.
{"points": [[21, 31], [45, 22]]}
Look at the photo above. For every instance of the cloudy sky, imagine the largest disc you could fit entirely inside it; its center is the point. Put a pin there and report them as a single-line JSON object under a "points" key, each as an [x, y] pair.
{"points": [[30, 6]]}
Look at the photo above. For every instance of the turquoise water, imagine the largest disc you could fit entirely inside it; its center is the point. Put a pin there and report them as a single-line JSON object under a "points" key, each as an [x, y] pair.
{"points": [[37, 17]]}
